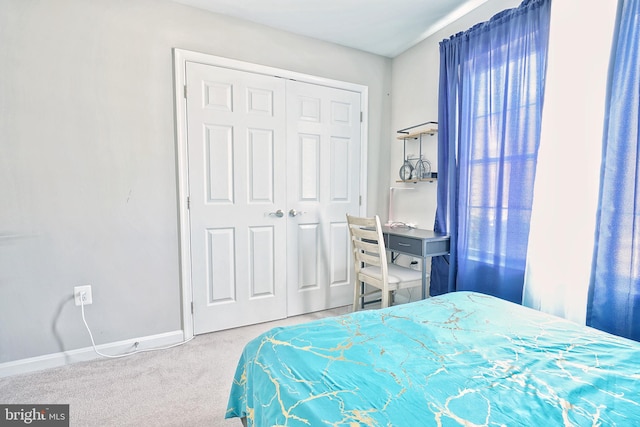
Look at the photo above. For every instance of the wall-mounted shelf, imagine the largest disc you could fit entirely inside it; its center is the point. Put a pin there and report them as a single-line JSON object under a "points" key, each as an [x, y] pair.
{"points": [[417, 135], [420, 169], [415, 181]]}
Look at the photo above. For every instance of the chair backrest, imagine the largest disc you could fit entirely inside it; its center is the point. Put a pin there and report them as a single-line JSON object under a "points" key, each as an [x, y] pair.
{"points": [[368, 247]]}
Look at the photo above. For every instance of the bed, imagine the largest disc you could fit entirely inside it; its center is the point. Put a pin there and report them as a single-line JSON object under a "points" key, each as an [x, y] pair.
{"points": [[457, 359]]}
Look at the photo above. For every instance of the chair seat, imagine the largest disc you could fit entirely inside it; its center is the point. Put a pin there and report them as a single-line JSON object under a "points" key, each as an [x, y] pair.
{"points": [[397, 274]]}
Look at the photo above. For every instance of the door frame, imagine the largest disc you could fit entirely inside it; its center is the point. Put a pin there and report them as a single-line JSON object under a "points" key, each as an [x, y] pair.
{"points": [[180, 59]]}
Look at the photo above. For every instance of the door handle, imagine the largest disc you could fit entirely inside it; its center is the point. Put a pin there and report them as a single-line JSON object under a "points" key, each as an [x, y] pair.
{"points": [[277, 213], [294, 212]]}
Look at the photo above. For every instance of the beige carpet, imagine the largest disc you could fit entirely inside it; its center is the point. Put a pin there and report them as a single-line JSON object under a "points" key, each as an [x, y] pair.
{"points": [[182, 386]]}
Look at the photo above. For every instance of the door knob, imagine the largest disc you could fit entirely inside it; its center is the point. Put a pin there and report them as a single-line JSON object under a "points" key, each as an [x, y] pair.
{"points": [[294, 212], [277, 213]]}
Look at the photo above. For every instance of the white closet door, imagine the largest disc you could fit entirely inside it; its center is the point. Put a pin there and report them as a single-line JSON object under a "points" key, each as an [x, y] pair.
{"points": [[237, 181], [323, 163]]}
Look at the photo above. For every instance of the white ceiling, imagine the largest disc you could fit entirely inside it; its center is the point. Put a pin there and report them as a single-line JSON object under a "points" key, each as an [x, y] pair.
{"points": [[383, 27]]}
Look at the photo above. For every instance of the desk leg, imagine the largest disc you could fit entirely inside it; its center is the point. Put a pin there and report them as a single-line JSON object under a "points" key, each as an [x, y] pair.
{"points": [[424, 277]]}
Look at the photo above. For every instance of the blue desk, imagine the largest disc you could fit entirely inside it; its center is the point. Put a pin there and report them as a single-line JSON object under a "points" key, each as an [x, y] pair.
{"points": [[416, 243]]}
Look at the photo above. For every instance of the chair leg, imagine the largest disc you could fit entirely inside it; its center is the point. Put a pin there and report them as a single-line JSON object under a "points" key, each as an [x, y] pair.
{"points": [[385, 299]]}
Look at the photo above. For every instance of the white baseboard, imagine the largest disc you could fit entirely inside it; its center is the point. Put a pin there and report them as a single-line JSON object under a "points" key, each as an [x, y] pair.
{"points": [[54, 360]]}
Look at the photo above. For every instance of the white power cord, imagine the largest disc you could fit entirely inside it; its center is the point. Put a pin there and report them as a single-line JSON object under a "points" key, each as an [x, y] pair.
{"points": [[136, 351]]}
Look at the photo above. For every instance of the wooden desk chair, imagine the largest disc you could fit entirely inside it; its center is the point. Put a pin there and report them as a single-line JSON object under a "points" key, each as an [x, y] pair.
{"points": [[370, 262]]}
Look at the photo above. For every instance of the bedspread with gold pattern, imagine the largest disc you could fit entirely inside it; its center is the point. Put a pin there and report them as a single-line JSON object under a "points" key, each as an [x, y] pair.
{"points": [[457, 359]]}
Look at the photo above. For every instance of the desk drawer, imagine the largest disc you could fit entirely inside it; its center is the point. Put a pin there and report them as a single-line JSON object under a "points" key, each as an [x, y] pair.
{"points": [[405, 244]]}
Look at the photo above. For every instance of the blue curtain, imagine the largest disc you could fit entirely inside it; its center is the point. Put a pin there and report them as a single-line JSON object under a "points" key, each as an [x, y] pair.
{"points": [[490, 109], [614, 293], [441, 281]]}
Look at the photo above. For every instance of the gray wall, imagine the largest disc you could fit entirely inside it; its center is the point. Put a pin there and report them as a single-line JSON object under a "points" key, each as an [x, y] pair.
{"points": [[88, 159]]}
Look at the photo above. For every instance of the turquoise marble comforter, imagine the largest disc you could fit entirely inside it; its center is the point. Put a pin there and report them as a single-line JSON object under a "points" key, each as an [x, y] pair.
{"points": [[457, 359]]}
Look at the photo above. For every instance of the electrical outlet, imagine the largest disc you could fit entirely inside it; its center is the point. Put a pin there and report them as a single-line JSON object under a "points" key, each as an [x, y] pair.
{"points": [[82, 294]]}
